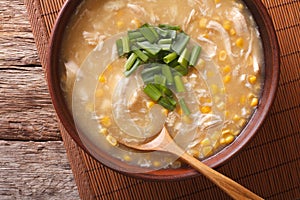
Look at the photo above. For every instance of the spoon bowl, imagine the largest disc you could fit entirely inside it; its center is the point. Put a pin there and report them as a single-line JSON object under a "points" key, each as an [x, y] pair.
{"points": [[164, 142]]}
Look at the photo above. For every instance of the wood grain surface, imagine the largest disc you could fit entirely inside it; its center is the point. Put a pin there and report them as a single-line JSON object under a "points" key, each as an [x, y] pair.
{"points": [[33, 161]]}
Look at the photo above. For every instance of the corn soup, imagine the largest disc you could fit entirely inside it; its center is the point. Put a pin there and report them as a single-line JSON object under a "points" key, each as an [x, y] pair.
{"points": [[218, 94]]}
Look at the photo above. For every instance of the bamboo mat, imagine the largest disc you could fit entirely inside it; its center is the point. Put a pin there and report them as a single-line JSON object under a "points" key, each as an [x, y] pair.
{"points": [[269, 165]]}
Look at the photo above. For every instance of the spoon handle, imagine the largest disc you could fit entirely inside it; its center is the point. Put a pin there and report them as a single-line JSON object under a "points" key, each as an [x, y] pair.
{"points": [[232, 188]]}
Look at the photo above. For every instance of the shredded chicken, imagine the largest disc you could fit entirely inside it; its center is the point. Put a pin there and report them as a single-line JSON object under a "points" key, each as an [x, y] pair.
{"points": [[93, 38]]}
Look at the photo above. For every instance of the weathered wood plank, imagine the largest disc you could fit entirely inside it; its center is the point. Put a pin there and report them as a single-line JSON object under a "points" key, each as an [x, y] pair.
{"points": [[26, 112], [35, 170], [29, 168]]}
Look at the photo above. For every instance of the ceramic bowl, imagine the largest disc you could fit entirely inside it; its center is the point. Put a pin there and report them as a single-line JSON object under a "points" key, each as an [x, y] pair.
{"points": [[271, 51]]}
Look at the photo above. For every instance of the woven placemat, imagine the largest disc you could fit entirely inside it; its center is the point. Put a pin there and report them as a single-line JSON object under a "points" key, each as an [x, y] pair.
{"points": [[269, 165]]}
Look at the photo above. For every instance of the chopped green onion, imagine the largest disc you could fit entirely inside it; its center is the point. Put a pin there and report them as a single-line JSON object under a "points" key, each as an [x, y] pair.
{"points": [[180, 43], [195, 55], [165, 90], [130, 61], [125, 44], [134, 35], [179, 84], [165, 47], [152, 92], [170, 57], [133, 68], [165, 41], [160, 79], [184, 58], [149, 33], [165, 102], [119, 47], [150, 48], [166, 26], [166, 71], [162, 32], [140, 54], [151, 71], [182, 70], [184, 107]]}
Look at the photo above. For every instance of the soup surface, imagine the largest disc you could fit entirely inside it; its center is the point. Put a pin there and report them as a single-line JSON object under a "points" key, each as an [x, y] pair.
{"points": [[221, 91]]}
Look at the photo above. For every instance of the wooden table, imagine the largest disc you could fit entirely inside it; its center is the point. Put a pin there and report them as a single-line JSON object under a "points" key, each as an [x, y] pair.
{"points": [[33, 162], [33, 159]]}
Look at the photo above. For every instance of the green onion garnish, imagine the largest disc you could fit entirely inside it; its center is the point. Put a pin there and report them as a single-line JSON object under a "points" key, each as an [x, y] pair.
{"points": [[170, 57], [149, 33], [152, 92], [180, 42], [129, 63], [166, 71], [184, 107], [166, 56], [179, 84], [195, 55]]}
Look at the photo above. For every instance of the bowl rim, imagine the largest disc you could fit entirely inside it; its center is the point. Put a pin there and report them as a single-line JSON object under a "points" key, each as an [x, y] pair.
{"points": [[269, 40]]}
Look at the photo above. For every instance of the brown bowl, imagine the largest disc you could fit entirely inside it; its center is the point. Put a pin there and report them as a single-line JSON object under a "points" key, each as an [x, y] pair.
{"points": [[271, 49]]}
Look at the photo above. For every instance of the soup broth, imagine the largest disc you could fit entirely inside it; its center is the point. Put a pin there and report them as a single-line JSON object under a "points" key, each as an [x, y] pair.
{"points": [[222, 90]]}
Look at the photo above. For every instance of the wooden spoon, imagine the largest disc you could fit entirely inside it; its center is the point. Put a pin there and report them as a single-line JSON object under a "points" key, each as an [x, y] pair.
{"points": [[164, 142]]}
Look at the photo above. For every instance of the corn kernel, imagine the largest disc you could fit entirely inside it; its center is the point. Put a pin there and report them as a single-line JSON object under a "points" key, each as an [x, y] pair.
{"points": [[241, 6], [127, 158], [222, 141], [150, 104], [236, 133], [229, 139], [102, 79], [236, 117], [222, 55], [227, 69], [252, 79], [111, 140], [251, 96], [226, 113], [156, 163], [242, 123], [194, 153], [232, 32], [136, 23], [254, 102], [243, 99], [180, 112], [217, 1], [227, 79], [207, 151], [176, 164], [120, 24], [226, 132], [203, 22], [103, 131], [204, 100], [216, 145], [205, 109], [105, 121], [227, 25], [165, 112], [239, 42], [205, 142]]}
